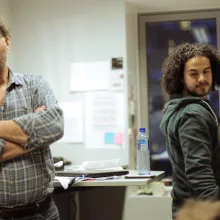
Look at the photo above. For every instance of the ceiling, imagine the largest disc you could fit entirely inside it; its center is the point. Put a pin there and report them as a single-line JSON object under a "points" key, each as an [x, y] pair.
{"points": [[170, 5]]}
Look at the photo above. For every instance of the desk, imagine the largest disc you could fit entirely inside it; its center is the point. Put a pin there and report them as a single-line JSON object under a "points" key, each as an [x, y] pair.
{"points": [[98, 200], [118, 182]]}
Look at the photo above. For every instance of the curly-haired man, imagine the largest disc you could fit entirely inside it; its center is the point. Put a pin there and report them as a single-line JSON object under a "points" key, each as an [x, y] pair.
{"points": [[190, 123]]}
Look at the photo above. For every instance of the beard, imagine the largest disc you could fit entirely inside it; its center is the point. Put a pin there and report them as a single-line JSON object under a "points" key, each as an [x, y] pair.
{"points": [[2, 63], [198, 91]]}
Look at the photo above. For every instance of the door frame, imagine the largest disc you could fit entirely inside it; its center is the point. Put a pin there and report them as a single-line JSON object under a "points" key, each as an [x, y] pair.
{"points": [[142, 82]]}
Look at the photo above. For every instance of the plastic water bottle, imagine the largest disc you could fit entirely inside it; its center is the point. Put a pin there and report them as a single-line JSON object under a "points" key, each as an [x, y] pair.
{"points": [[143, 153]]}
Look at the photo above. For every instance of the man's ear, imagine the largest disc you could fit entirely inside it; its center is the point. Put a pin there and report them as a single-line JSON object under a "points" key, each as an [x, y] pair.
{"points": [[215, 66], [8, 43]]}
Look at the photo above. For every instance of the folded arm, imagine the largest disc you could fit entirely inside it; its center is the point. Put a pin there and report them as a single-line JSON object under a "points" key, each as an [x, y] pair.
{"points": [[10, 150], [13, 150], [44, 127], [11, 131], [34, 129], [37, 129]]}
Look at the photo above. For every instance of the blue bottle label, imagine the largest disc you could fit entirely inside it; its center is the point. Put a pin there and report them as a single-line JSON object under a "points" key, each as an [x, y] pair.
{"points": [[142, 145]]}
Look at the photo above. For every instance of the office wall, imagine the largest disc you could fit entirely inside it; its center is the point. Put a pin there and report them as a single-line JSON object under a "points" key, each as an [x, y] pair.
{"points": [[132, 46], [5, 10], [132, 68], [50, 35]]}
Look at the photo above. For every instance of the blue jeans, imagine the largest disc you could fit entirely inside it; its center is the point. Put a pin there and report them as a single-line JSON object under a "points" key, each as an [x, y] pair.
{"points": [[49, 214]]}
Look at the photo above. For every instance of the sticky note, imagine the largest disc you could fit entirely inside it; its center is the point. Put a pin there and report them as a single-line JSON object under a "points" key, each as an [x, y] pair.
{"points": [[109, 138], [118, 138]]}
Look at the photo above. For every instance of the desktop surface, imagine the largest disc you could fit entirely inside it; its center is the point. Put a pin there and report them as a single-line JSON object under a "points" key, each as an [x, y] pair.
{"points": [[123, 181]]}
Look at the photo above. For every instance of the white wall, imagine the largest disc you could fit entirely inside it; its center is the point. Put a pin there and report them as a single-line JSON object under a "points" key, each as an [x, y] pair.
{"points": [[49, 35], [132, 45], [5, 10], [132, 70]]}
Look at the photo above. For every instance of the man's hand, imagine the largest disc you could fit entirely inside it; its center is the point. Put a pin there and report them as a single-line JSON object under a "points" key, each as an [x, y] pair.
{"points": [[40, 108], [12, 150]]}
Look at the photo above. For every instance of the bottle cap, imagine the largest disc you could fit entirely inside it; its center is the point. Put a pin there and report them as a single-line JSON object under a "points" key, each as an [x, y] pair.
{"points": [[142, 130]]}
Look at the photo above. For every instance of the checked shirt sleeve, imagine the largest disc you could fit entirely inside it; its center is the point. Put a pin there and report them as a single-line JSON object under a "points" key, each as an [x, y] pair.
{"points": [[45, 127], [2, 144]]}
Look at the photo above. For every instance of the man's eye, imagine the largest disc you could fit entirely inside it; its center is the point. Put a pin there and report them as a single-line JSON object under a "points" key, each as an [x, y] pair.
{"points": [[193, 74]]}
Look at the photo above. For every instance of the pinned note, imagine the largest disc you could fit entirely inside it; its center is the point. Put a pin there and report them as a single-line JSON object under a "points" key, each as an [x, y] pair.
{"points": [[109, 138], [118, 138], [73, 122]]}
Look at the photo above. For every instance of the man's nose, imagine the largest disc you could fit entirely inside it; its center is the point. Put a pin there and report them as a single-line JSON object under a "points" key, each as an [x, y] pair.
{"points": [[201, 78]]}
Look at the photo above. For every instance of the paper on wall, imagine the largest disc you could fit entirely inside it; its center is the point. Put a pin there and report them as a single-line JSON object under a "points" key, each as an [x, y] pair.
{"points": [[73, 122], [89, 76]]}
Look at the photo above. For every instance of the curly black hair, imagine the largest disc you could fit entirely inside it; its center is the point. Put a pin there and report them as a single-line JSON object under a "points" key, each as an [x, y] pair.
{"points": [[173, 65], [4, 30]]}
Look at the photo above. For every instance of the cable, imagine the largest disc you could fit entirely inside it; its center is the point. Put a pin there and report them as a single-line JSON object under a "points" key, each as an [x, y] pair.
{"points": [[74, 204]]}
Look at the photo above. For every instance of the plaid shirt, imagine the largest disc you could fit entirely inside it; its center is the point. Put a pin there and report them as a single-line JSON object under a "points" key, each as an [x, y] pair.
{"points": [[28, 178]]}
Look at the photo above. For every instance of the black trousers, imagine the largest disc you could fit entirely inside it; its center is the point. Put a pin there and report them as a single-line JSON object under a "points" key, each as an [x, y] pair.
{"points": [[49, 214]]}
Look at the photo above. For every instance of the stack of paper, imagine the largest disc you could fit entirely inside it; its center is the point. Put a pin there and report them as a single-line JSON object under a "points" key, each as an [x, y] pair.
{"points": [[65, 181]]}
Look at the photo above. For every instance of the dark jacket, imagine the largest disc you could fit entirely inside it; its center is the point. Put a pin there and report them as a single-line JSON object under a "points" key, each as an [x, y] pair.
{"points": [[191, 129]]}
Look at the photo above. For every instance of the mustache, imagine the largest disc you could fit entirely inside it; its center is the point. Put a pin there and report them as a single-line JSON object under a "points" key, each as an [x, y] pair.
{"points": [[202, 84]]}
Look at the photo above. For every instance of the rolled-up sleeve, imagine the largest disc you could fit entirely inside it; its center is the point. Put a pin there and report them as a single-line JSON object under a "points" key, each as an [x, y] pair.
{"points": [[45, 127]]}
